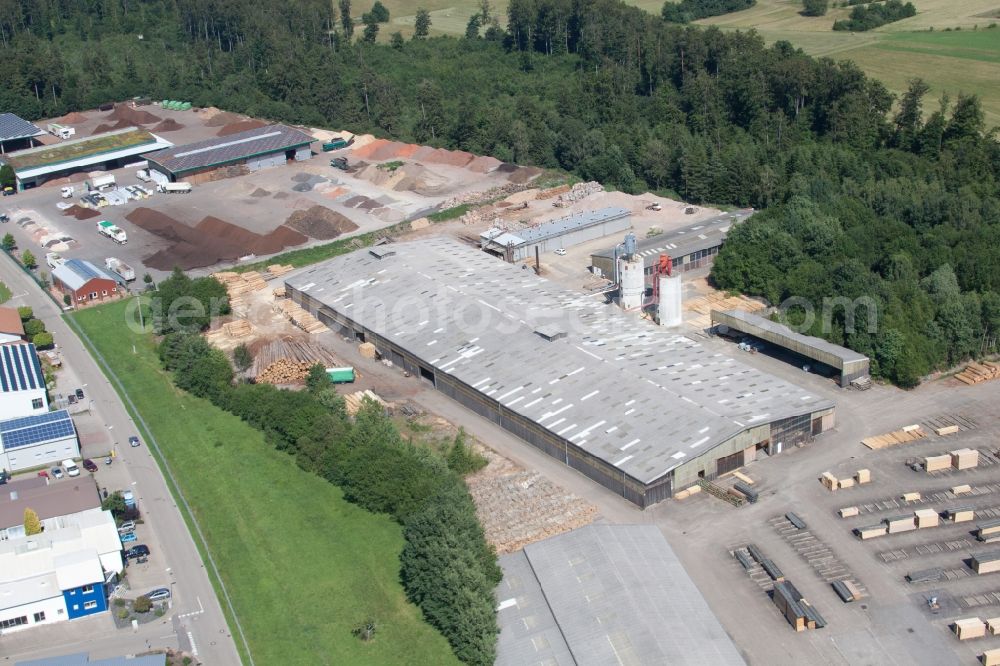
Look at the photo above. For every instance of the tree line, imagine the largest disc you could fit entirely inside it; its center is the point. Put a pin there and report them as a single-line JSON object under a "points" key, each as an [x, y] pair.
{"points": [[686, 11], [610, 93], [447, 568], [875, 14]]}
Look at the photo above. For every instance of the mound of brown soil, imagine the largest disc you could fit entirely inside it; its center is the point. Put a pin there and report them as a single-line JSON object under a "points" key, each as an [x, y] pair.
{"points": [[320, 222], [212, 240], [168, 125], [524, 174], [223, 118], [74, 118], [101, 129], [130, 116], [241, 126], [81, 213]]}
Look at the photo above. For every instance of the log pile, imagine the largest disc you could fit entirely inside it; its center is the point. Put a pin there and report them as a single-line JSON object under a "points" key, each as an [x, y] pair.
{"points": [[976, 373], [238, 329], [353, 401], [277, 270], [287, 361]]}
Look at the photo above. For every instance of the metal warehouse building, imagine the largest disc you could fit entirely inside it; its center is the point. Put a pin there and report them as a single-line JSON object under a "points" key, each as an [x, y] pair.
{"points": [[33, 441], [562, 233], [849, 363], [690, 247], [634, 407], [232, 155], [17, 133], [605, 594], [110, 150]]}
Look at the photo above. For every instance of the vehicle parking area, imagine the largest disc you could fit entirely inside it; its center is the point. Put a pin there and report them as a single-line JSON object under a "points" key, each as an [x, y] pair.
{"points": [[911, 584]]}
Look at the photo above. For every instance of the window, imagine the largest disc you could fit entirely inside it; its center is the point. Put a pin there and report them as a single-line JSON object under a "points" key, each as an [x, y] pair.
{"points": [[87, 589], [93, 294], [14, 622], [104, 292], [40, 617], [36, 403], [90, 605]]}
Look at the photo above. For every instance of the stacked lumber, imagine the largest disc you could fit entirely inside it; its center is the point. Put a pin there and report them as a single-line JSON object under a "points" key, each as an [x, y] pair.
{"points": [[288, 361], [367, 350], [829, 481], [279, 292], [993, 624], [353, 401], [238, 329], [237, 284], [961, 490], [988, 531], [863, 476], [946, 430], [976, 373], [964, 458], [970, 627], [300, 317], [961, 514], [849, 512], [910, 497], [991, 657], [908, 434], [687, 492], [870, 531], [984, 563], [897, 524], [926, 518], [937, 463], [277, 270]]}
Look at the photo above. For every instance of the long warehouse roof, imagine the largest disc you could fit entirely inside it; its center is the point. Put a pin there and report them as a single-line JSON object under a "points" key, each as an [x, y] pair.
{"points": [[606, 594], [228, 149], [756, 323], [640, 397], [15, 127], [681, 242], [553, 228], [78, 153]]}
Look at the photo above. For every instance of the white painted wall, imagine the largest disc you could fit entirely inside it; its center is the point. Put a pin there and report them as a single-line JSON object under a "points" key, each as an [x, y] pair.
{"points": [[54, 609], [18, 403], [26, 457]]}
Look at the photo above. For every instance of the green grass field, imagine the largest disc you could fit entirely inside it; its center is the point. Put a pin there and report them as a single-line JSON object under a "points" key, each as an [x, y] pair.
{"points": [[302, 566], [4, 293], [964, 61]]}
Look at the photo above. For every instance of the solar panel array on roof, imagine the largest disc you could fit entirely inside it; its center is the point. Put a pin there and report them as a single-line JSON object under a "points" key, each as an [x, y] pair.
{"points": [[20, 369], [37, 429], [229, 149], [15, 127], [77, 272]]}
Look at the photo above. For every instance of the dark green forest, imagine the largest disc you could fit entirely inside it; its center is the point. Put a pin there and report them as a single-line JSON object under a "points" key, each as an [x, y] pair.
{"points": [[866, 195], [686, 11]]}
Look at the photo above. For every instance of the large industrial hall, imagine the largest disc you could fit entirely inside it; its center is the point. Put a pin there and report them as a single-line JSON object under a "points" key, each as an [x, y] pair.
{"points": [[638, 408]]}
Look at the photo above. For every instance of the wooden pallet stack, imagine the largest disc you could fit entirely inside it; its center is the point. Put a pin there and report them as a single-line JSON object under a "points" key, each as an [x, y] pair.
{"points": [[301, 318], [287, 361], [976, 373], [353, 401], [908, 434], [238, 329], [277, 270]]}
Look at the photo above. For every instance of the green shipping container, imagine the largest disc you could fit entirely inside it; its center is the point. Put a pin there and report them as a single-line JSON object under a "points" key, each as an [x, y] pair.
{"points": [[340, 375]]}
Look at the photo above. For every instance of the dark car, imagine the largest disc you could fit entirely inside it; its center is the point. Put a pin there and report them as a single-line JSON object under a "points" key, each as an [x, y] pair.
{"points": [[133, 441], [72, 399], [134, 552], [89, 465], [79, 394]]}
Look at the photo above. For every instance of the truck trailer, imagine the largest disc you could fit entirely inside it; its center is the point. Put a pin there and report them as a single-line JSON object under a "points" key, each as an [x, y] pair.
{"points": [[101, 182], [60, 131], [108, 229], [174, 188], [120, 268]]}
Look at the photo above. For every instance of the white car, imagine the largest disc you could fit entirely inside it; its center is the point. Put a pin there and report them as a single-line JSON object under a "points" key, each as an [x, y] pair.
{"points": [[561, 252]]}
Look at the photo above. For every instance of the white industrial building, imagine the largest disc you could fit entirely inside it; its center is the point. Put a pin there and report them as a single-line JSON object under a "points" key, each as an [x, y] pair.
{"points": [[34, 441], [63, 573], [22, 384], [555, 234]]}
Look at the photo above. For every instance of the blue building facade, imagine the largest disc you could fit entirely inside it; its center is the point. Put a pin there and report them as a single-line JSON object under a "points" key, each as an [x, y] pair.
{"points": [[85, 600]]}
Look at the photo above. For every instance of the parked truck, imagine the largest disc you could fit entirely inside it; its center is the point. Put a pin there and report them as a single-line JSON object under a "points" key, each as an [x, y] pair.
{"points": [[111, 231], [120, 268], [101, 182], [174, 188], [143, 175], [60, 131], [337, 143]]}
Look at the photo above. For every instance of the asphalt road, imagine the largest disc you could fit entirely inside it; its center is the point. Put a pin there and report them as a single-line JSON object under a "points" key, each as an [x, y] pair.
{"points": [[196, 620]]}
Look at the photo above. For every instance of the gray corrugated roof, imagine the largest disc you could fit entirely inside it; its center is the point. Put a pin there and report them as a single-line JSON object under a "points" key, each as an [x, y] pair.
{"points": [[641, 397], [684, 241], [554, 228], [15, 127], [617, 594], [226, 149], [764, 324], [77, 272]]}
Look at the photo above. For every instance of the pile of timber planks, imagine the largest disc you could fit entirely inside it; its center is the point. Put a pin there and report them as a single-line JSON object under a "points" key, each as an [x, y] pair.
{"points": [[976, 373], [238, 329], [277, 270], [288, 361], [301, 317], [908, 434], [237, 284], [353, 401]]}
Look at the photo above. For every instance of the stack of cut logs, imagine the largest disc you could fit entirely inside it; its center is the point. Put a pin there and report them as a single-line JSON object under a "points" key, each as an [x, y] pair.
{"points": [[979, 372], [301, 318], [288, 361], [277, 270]]}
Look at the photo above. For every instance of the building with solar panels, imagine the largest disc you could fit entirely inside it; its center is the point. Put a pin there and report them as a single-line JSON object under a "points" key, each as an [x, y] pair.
{"points": [[33, 441], [234, 155], [84, 282], [22, 383], [16, 133]]}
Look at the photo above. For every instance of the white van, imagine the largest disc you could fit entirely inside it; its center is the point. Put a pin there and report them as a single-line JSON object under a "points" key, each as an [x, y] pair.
{"points": [[70, 467]]}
